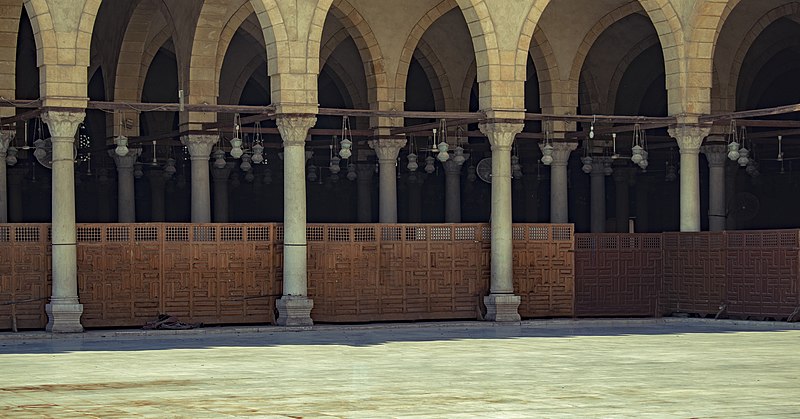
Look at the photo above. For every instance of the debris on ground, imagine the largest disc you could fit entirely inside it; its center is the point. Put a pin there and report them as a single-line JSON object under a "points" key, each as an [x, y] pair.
{"points": [[168, 322]]}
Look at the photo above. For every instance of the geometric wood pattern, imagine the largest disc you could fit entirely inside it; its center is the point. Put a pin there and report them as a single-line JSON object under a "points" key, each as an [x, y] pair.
{"points": [[25, 260], [544, 269], [210, 273], [617, 274], [390, 272], [694, 272]]}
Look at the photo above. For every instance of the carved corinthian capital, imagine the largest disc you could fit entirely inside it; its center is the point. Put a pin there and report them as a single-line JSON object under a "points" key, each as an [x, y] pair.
{"points": [[689, 137], [63, 125], [294, 128], [501, 134]]}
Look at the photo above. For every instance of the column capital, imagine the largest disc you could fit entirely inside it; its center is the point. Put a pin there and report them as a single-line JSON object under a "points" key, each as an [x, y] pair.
{"points": [[452, 168], [199, 145], [294, 128], [599, 166], [222, 175], [63, 124], [689, 137], [716, 154], [561, 152], [126, 161], [387, 149], [501, 134], [5, 140]]}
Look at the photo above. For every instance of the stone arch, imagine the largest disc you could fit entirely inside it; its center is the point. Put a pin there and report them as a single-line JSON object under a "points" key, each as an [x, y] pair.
{"points": [[209, 38], [760, 61], [727, 97], [136, 54], [588, 41], [623, 65], [466, 89], [346, 85], [707, 20], [437, 76], [246, 74], [411, 43], [368, 48], [9, 29], [671, 36], [331, 44], [544, 61]]}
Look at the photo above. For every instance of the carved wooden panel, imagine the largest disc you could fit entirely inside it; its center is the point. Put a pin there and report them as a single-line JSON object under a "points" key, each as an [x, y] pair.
{"points": [[544, 269], [25, 260], [394, 272], [618, 274], [128, 274], [694, 272], [762, 273]]}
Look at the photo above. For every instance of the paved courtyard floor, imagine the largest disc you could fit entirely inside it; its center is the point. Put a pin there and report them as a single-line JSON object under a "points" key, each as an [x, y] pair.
{"points": [[626, 368]]}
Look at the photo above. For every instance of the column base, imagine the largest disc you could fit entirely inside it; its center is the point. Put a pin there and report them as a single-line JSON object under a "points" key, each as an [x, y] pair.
{"points": [[64, 318], [502, 307], [294, 311]]}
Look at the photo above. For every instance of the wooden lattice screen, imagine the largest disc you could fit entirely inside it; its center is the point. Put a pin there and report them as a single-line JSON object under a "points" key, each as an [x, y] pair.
{"points": [[231, 273]]}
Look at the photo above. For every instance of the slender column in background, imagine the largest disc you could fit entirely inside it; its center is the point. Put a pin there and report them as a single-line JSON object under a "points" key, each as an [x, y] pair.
{"points": [[387, 151], [126, 194], [364, 185], [199, 151], [717, 156], [559, 195], [598, 196], [221, 192]]}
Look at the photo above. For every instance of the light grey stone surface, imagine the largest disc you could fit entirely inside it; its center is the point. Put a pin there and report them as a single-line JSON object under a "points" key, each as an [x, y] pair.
{"points": [[564, 368]]}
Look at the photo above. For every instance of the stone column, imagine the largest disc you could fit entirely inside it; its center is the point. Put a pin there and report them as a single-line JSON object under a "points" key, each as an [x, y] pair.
{"points": [[559, 196], [730, 193], [598, 193], [452, 195], [717, 156], [387, 151], [415, 180], [364, 185], [157, 208], [126, 194], [5, 141], [294, 306], [622, 177], [689, 139], [531, 195], [501, 303], [642, 216], [15, 177], [64, 310], [199, 151], [221, 192]]}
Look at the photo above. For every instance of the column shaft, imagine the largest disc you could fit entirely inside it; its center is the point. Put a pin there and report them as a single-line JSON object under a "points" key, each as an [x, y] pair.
{"points": [[126, 194], [501, 304], [64, 310], [598, 193], [294, 307], [689, 140], [621, 178], [559, 195], [221, 192], [199, 150], [717, 157], [387, 151], [452, 196], [364, 185]]}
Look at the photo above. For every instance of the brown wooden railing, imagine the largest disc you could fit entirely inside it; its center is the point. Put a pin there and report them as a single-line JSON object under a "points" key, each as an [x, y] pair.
{"points": [[231, 273], [753, 274]]}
